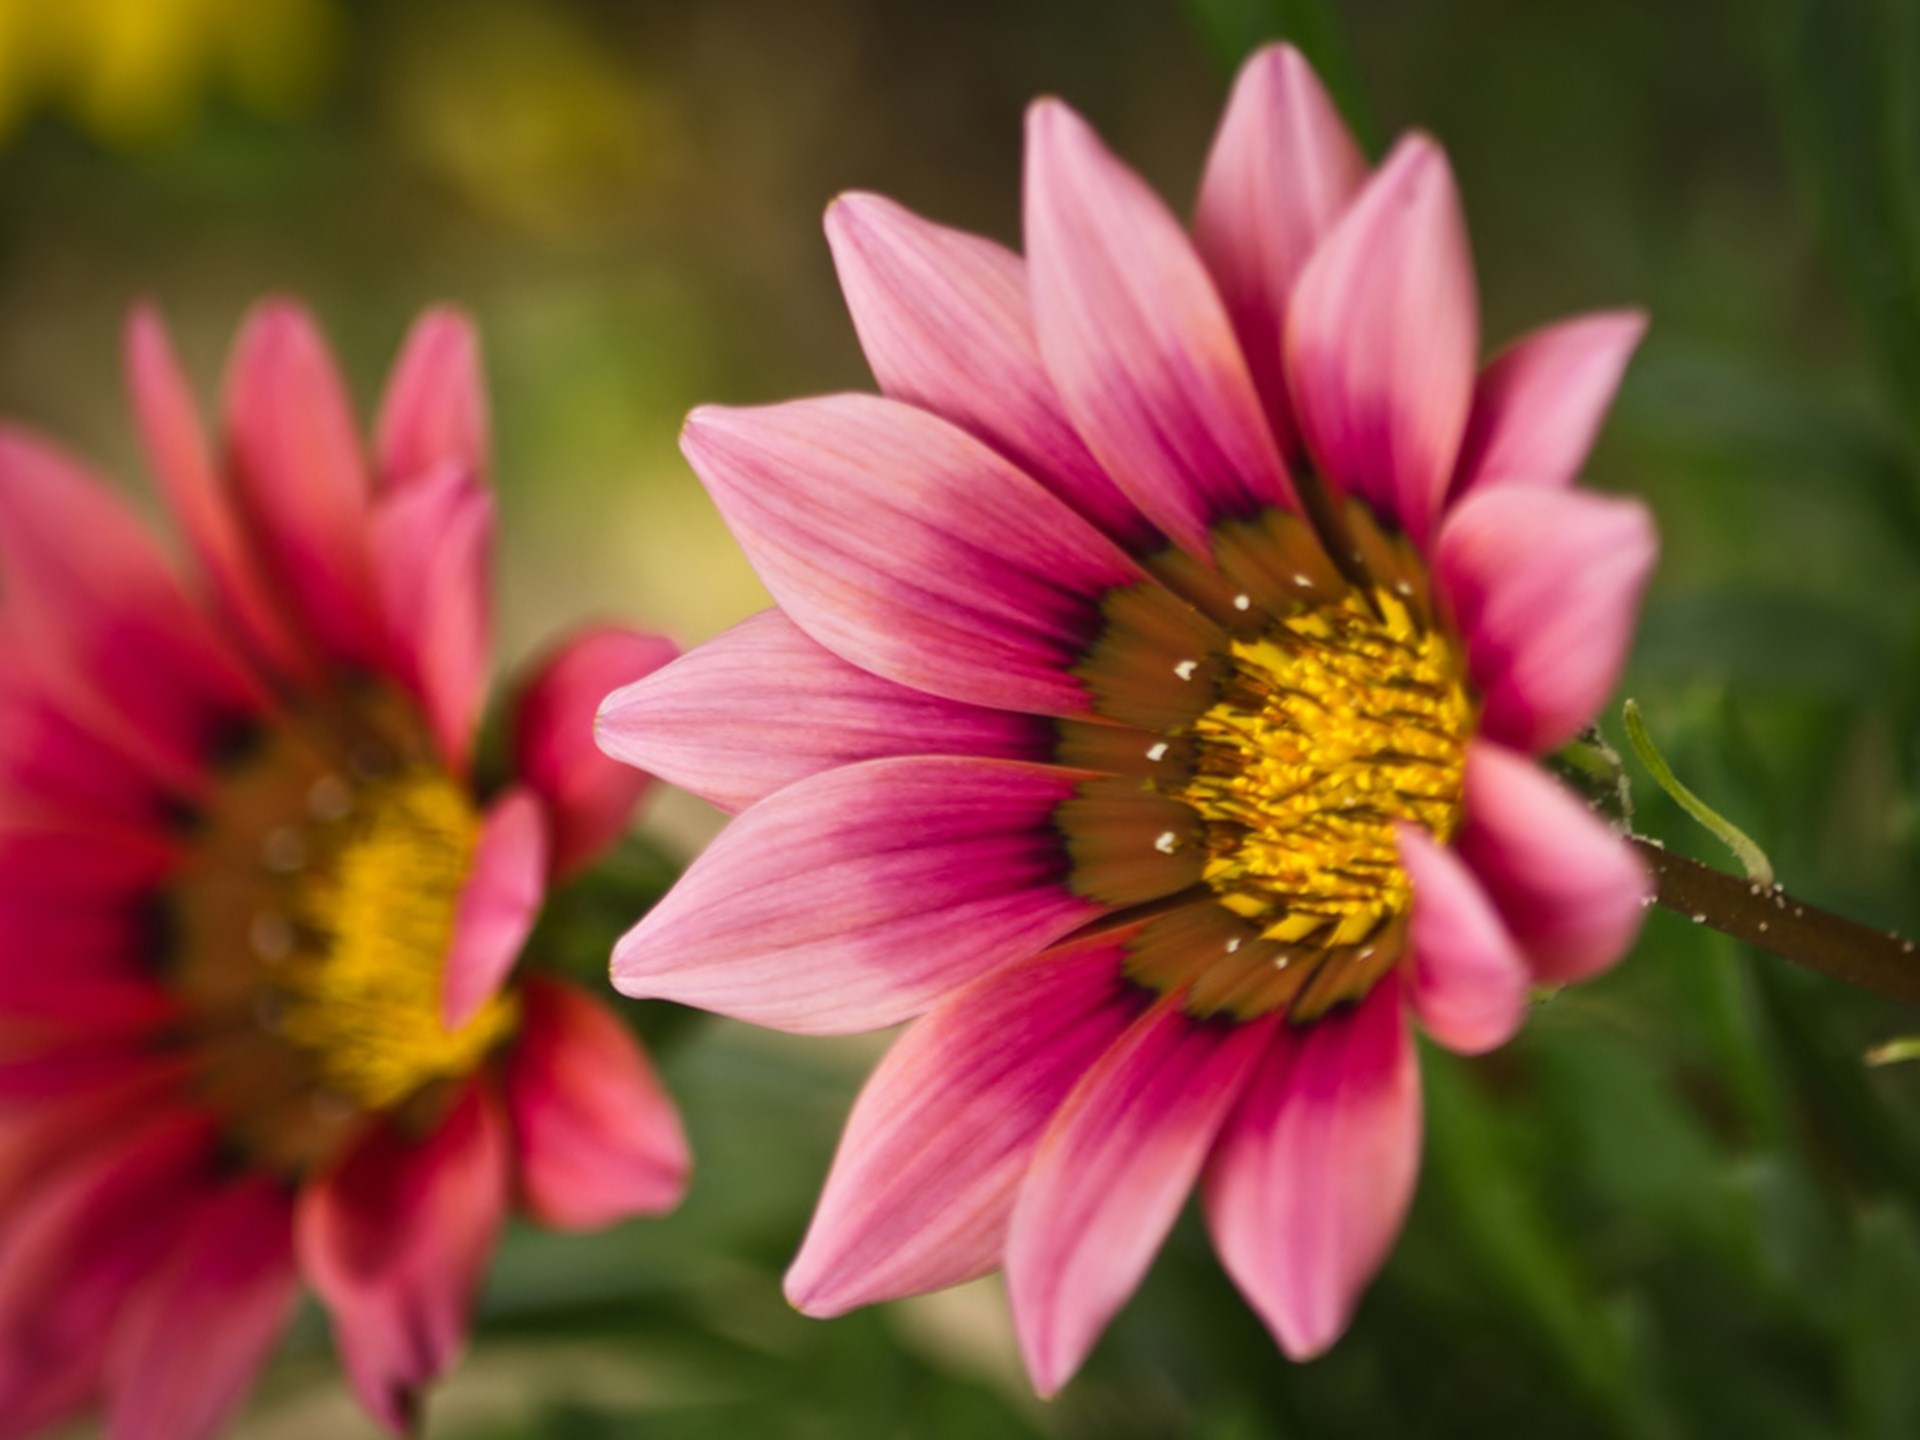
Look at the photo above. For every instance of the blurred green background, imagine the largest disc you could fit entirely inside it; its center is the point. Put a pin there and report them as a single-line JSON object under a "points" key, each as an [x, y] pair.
{"points": [[1680, 1205]]}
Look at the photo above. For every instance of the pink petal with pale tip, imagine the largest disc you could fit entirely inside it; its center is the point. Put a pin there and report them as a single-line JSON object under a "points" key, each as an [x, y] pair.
{"points": [[761, 706], [1137, 341], [1544, 587], [1111, 1174], [104, 625], [301, 480], [1470, 980], [189, 1343], [497, 908], [596, 1137], [1282, 170], [1571, 891], [923, 1186], [435, 409], [589, 798], [1312, 1177], [395, 1241], [432, 546], [946, 324], [910, 549], [1382, 337], [1540, 402], [182, 462], [853, 900]]}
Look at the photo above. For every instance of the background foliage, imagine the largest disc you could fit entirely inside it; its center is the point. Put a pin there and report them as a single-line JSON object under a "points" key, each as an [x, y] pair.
{"points": [[1681, 1205]]}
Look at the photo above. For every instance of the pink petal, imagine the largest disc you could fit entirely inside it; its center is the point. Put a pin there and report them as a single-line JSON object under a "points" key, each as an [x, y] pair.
{"points": [[945, 322], [910, 549], [396, 1241], [1571, 891], [432, 546], [301, 480], [1137, 340], [1382, 338], [1544, 586], [190, 1342], [1282, 171], [1312, 1177], [923, 1187], [1540, 402], [1111, 1174], [1470, 979], [761, 706], [104, 624], [52, 762], [595, 1134], [502, 898], [435, 410], [589, 798], [182, 462], [855, 899]]}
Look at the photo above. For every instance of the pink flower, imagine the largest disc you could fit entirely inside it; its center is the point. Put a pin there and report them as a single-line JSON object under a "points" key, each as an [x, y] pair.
{"points": [[1149, 711], [257, 918]]}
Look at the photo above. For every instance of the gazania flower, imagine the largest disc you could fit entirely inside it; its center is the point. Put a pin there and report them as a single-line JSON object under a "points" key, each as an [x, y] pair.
{"points": [[1150, 710], [256, 920]]}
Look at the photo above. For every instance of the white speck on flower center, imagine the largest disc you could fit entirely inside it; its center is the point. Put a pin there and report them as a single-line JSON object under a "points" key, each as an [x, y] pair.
{"points": [[1186, 668]]}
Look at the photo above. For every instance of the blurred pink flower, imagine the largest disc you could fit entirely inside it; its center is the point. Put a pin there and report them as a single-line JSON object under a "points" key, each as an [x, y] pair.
{"points": [[1149, 710], [256, 919]]}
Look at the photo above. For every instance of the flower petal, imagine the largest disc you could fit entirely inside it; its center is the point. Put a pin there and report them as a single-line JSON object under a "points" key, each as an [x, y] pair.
{"points": [[432, 546], [435, 409], [589, 798], [945, 321], [853, 900], [395, 1240], [498, 906], [1540, 402], [1137, 340], [1111, 1174], [301, 480], [1470, 979], [1282, 170], [910, 549], [1544, 586], [761, 706], [1571, 891], [923, 1186], [1382, 338], [596, 1135], [1313, 1175], [194, 1335]]}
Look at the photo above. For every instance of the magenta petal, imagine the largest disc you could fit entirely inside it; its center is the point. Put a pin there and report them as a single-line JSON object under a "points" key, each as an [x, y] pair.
{"points": [[497, 908], [188, 1345], [301, 480], [910, 549], [596, 1136], [396, 1240], [589, 798], [1540, 402], [1313, 1175], [1571, 891], [435, 410], [1382, 339], [1137, 340], [1544, 586], [853, 900], [945, 322], [761, 706], [1282, 170], [1470, 979], [1111, 1174], [922, 1189], [433, 543]]}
